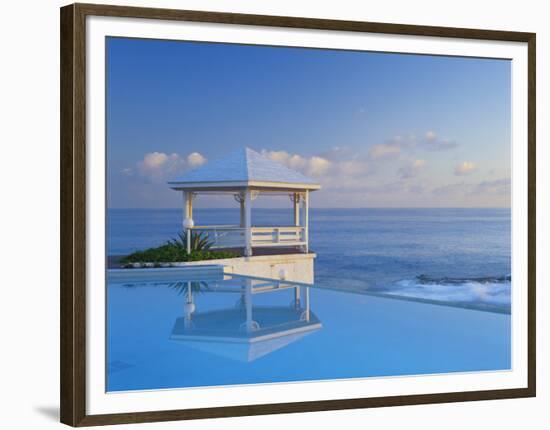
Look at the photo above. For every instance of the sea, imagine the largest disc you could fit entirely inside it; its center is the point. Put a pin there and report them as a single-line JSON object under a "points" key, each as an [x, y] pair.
{"points": [[453, 257]]}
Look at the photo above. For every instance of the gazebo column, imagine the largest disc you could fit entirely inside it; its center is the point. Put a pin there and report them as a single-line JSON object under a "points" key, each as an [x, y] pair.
{"points": [[187, 205], [306, 220], [247, 223], [188, 222], [239, 198], [296, 200], [241, 203]]}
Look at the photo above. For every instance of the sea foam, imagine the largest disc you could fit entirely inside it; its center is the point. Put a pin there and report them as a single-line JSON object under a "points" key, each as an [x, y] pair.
{"points": [[492, 292]]}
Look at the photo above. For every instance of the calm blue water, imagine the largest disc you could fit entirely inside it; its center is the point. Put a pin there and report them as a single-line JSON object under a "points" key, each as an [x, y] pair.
{"points": [[174, 334], [459, 257]]}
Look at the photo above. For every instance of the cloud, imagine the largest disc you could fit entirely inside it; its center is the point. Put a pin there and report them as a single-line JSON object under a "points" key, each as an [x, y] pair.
{"points": [[482, 194], [384, 151], [195, 160], [430, 136], [498, 186], [465, 168], [339, 153], [293, 161], [318, 166], [356, 167], [155, 164], [336, 169], [394, 147], [432, 142], [411, 169], [361, 189], [154, 160], [443, 145], [452, 189], [158, 166], [313, 166]]}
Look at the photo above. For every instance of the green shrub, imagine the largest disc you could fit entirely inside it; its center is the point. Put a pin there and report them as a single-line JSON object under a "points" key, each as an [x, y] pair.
{"points": [[209, 255], [173, 252]]}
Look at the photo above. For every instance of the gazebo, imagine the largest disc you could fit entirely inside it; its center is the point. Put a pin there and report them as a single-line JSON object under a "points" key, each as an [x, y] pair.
{"points": [[245, 174]]}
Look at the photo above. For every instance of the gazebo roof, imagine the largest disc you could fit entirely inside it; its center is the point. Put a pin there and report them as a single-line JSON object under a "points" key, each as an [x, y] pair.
{"points": [[244, 168]]}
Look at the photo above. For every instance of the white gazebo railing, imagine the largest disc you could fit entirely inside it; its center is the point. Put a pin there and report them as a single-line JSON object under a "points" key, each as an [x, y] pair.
{"points": [[278, 236], [222, 236], [228, 236]]}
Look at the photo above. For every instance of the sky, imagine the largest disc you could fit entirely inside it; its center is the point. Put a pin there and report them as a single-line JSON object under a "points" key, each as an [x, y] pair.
{"points": [[374, 129]]}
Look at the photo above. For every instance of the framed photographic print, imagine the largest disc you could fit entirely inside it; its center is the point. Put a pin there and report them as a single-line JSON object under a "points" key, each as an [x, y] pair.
{"points": [[267, 214]]}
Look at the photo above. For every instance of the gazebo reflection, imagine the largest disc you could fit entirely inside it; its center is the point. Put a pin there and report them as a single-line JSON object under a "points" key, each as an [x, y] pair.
{"points": [[246, 331]]}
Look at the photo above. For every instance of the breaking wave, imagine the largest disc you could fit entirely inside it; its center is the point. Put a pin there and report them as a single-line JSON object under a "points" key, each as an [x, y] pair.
{"points": [[485, 293]]}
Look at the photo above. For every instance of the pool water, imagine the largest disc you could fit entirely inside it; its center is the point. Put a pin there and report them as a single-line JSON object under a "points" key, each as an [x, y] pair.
{"points": [[175, 331]]}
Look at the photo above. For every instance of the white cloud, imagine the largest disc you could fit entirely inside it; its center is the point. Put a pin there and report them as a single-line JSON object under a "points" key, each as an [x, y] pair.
{"points": [[154, 160], [430, 135], [195, 160], [452, 190], [393, 148], [498, 186], [432, 142], [355, 167], [442, 145], [465, 168], [294, 161], [313, 166], [338, 153], [318, 165], [486, 193], [384, 151], [338, 168], [159, 166], [278, 156], [411, 169]]}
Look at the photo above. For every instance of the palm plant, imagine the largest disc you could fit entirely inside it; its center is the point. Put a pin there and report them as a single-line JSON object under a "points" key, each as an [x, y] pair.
{"points": [[199, 241]]}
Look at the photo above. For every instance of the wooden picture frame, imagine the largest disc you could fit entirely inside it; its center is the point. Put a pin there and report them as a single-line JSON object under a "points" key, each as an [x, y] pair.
{"points": [[73, 212]]}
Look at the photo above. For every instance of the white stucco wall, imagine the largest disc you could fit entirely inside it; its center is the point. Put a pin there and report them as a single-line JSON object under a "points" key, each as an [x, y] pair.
{"points": [[296, 267]]}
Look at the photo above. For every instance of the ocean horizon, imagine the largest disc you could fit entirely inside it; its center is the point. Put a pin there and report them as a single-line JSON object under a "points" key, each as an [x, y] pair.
{"points": [[452, 256]]}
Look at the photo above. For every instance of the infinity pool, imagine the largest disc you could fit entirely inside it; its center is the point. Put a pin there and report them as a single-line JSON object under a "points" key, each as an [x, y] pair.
{"points": [[178, 330]]}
